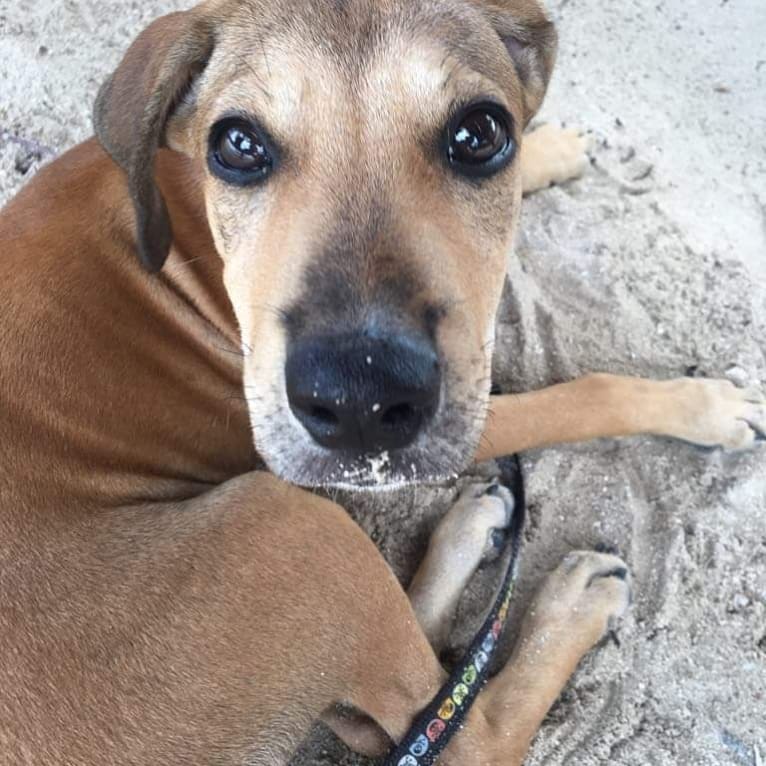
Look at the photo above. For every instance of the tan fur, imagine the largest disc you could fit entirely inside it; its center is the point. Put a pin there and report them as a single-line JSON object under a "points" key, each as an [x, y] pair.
{"points": [[163, 600]]}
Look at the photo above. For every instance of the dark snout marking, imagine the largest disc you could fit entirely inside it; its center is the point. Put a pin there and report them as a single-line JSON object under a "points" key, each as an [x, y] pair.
{"points": [[335, 299], [362, 268], [362, 393]]}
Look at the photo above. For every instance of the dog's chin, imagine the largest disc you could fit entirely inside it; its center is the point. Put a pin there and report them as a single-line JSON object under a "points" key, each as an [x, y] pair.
{"points": [[434, 461], [382, 472]]}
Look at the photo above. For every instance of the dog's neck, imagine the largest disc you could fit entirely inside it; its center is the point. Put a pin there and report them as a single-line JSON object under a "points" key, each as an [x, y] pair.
{"points": [[148, 365]]}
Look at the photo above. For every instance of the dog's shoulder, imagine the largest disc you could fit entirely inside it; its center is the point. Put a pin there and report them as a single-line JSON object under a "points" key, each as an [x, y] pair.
{"points": [[80, 196]]}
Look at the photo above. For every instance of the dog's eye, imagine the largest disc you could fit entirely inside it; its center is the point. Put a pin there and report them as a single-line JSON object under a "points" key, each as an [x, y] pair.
{"points": [[480, 142], [241, 149], [237, 153]]}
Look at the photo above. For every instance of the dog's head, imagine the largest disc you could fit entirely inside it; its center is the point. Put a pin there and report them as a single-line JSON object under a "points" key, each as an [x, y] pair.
{"points": [[361, 179]]}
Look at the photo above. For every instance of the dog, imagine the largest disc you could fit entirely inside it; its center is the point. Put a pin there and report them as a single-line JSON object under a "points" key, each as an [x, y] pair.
{"points": [[325, 193]]}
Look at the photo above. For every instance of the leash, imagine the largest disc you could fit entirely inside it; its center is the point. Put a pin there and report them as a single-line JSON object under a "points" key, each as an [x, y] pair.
{"points": [[443, 718]]}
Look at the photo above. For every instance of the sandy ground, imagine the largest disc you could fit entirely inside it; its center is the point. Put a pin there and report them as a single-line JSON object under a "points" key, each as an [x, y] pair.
{"points": [[654, 264]]}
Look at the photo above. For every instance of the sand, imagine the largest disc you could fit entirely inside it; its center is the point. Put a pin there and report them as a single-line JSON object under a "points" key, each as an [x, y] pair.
{"points": [[653, 264]]}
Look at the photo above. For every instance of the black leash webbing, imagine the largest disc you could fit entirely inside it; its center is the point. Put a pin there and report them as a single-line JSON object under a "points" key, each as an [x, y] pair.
{"points": [[435, 726]]}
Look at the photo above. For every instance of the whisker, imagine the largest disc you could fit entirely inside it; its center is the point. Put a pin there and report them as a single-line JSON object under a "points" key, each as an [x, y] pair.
{"points": [[186, 262], [258, 79], [232, 351]]}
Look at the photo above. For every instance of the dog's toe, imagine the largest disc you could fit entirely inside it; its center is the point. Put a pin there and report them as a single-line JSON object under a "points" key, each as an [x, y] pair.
{"points": [[555, 155], [716, 413]]}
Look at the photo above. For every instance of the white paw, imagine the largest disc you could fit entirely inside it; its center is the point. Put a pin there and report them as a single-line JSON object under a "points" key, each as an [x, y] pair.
{"points": [[715, 413], [552, 155], [468, 530], [463, 539]]}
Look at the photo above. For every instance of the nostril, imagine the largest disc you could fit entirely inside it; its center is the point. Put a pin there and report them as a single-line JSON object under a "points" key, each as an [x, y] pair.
{"points": [[398, 415], [324, 416]]}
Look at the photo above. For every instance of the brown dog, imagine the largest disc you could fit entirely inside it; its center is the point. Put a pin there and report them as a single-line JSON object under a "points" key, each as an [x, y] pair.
{"points": [[333, 212]]}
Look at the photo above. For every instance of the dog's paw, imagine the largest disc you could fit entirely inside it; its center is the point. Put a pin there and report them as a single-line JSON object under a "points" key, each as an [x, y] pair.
{"points": [[579, 601], [463, 540], [715, 413], [552, 155], [473, 529]]}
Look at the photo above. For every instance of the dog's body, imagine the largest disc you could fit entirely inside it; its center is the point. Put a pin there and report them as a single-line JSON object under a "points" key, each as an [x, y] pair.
{"points": [[163, 601]]}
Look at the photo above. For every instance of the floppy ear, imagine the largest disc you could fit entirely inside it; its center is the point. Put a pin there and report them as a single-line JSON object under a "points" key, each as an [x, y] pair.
{"points": [[133, 107], [531, 40]]}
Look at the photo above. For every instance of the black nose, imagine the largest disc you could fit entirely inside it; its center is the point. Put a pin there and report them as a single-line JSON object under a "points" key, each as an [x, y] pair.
{"points": [[355, 392]]}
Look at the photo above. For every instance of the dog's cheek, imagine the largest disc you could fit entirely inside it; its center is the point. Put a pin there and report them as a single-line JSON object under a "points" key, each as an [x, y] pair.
{"points": [[235, 217], [223, 225]]}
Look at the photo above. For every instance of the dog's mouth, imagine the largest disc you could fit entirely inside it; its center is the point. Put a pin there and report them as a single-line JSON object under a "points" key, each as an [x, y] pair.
{"points": [[375, 472], [436, 455], [382, 472]]}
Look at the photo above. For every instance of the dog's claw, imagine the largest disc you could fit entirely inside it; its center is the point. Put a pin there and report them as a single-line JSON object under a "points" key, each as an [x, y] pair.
{"points": [[612, 550], [614, 638], [498, 540]]}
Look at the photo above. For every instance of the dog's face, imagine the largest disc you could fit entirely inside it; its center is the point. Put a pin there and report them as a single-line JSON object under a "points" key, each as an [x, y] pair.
{"points": [[362, 185]]}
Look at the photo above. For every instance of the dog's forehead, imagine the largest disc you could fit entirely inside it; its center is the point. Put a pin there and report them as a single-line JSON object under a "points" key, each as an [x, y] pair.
{"points": [[351, 29], [316, 58]]}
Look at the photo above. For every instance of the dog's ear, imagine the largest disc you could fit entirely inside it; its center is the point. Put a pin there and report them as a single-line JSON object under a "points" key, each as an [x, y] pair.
{"points": [[531, 40], [132, 110]]}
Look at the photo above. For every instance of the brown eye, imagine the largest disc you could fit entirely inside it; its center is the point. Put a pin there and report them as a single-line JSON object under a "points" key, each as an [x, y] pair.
{"points": [[241, 149], [480, 141], [238, 153]]}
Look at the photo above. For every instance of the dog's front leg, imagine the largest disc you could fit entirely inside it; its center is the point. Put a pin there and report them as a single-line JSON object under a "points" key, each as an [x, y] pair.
{"points": [[573, 610], [711, 413]]}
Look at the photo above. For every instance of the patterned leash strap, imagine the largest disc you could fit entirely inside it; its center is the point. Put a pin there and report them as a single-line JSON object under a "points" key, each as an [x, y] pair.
{"points": [[443, 718]]}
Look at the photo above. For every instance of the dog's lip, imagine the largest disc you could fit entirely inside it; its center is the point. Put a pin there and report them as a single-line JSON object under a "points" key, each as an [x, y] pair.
{"points": [[372, 487], [380, 472]]}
